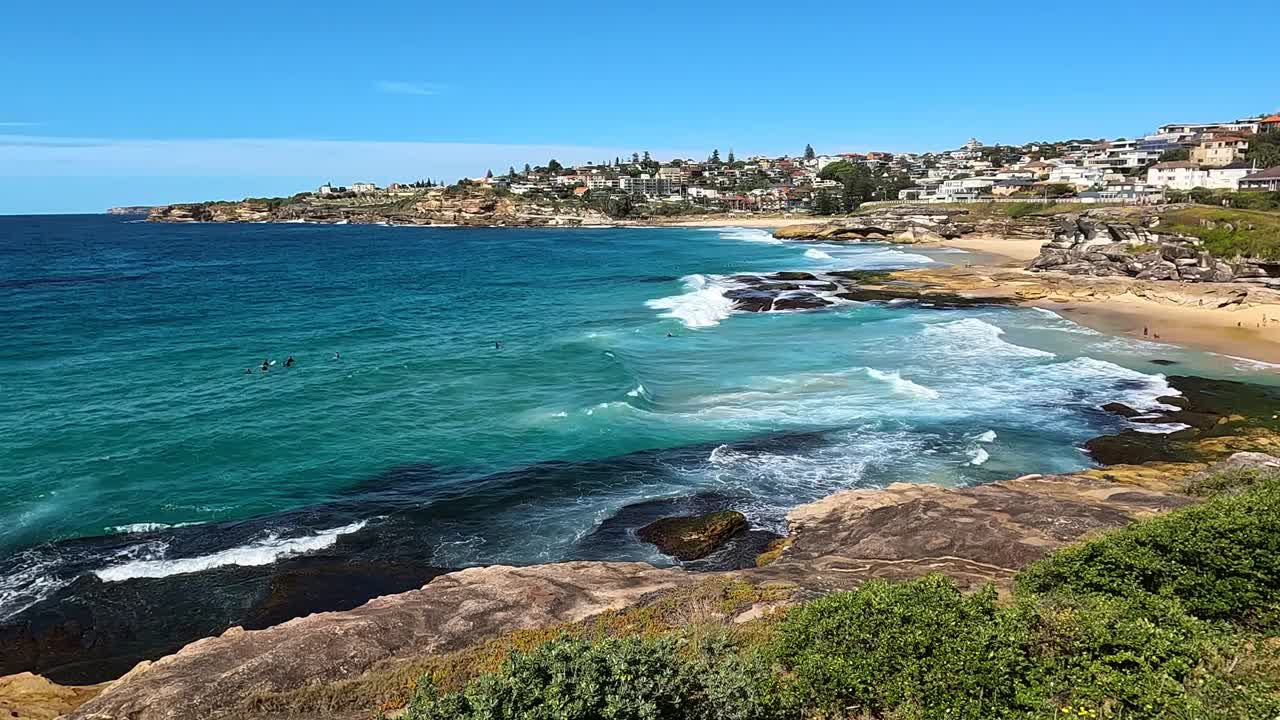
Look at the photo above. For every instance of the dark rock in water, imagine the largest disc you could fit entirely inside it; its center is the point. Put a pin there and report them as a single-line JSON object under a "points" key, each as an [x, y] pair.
{"points": [[1164, 362], [94, 631], [801, 301], [1132, 448], [693, 537], [1177, 400], [792, 275], [1197, 420], [1121, 409], [751, 300]]}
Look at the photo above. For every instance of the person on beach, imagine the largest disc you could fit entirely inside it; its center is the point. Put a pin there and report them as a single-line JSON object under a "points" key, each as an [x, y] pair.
{"points": [[289, 362], [1144, 331]]}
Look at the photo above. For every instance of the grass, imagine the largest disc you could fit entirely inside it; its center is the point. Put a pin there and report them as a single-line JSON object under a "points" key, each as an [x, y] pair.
{"points": [[1172, 617], [1228, 232]]}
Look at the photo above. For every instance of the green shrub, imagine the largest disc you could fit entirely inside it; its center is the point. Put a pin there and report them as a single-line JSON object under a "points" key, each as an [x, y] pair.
{"points": [[922, 649], [1221, 560], [1229, 482], [623, 679]]}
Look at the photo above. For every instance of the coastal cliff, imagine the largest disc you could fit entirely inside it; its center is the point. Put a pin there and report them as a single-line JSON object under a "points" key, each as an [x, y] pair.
{"points": [[348, 664], [473, 206]]}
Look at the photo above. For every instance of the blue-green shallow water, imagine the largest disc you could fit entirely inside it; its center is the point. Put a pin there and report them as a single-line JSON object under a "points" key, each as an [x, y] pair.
{"points": [[127, 415]]}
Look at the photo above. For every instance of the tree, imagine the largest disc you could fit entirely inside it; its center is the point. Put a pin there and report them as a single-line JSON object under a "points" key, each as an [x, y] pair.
{"points": [[809, 154], [646, 157], [554, 167], [527, 169], [1175, 155], [635, 158], [731, 160], [489, 173], [715, 157], [511, 171], [824, 204], [1265, 149], [617, 160]]}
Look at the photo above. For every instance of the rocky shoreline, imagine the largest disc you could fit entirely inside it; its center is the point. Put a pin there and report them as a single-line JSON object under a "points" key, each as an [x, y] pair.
{"points": [[974, 534]]}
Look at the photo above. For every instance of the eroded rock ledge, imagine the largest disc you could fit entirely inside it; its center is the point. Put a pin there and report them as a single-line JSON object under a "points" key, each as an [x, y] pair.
{"points": [[975, 534]]}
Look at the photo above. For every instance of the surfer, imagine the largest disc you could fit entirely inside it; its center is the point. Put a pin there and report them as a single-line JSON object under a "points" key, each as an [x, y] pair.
{"points": [[497, 346], [337, 356], [289, 362], [266, 364]]}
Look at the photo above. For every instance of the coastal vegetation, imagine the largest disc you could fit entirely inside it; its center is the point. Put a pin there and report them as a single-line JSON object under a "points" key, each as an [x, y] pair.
{"points": [[1174, 616], [1227, 232]]}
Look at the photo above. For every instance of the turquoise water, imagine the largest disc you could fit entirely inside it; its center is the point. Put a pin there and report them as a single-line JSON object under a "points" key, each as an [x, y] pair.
{"points": [[135, 444]]}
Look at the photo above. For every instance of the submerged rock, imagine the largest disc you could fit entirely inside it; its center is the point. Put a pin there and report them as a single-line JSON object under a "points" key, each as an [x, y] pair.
{"points": [[691, 537]]}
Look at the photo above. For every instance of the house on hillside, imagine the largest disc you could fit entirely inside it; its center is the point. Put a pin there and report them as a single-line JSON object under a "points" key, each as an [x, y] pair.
{"points": [[1220, 150], [363, 188], [1185, 175], [1267, 180], [1269, 123]]}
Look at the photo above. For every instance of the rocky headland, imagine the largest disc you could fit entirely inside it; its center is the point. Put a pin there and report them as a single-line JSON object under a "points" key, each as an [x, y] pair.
{"points": [[351, 663], [474, 206]]}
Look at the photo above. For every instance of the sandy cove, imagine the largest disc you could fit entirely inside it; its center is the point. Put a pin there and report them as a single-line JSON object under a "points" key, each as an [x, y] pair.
{"points": [[1234, 319]]}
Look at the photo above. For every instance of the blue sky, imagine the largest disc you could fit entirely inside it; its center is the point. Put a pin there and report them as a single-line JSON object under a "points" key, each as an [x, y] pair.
{"points": [[146, 102]]}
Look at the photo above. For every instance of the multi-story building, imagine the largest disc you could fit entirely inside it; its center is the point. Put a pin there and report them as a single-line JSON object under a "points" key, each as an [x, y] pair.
{"points": [[1186, 175], [1220, 150], [645, 185]]}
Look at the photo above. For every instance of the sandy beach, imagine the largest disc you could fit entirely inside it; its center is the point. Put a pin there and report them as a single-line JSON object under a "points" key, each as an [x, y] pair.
{"points": [[750, 221], [1245, 332], [1003, 251]]}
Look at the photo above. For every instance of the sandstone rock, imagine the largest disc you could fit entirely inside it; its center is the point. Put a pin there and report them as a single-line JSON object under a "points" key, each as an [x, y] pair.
{"points": [[30, 697], [694, 536], [212, 677]]}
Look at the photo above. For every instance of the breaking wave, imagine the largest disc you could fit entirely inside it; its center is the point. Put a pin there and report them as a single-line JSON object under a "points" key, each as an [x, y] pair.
{"points": [[903, 386], [264, 551], [703, 305]]}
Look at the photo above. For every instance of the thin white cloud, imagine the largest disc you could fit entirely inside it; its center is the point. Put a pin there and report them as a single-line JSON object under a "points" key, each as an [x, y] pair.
{"points": [[398, 87], [342, 161], [17, 124]]}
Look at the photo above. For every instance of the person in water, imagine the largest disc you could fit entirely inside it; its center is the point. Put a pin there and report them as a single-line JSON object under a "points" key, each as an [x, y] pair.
{"points": [[337, 356], [290, 362], [266, 364]]}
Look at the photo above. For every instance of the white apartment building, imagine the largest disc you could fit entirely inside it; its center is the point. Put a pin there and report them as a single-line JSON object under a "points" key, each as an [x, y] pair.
{"points": [[1185, 175], [645, 185]]}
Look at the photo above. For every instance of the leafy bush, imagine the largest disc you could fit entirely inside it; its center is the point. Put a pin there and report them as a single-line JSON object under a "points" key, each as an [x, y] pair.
{"points": [[624, 679], [1138, 624], [922, 649], [1221, 560]]}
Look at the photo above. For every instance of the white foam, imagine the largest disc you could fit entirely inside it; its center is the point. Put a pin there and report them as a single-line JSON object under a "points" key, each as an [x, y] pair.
{"points": [[977, 456], [703, 305], [902, 385], [145, 527], [755, 235], [986, 437], [1158, 428], [264, 551], [1244, 363], [30, 582], [975, 338], [816, 254], [637, 391]]}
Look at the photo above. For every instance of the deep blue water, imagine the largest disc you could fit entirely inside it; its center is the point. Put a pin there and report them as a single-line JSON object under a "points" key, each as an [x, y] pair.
{"points": [[500, 394]]}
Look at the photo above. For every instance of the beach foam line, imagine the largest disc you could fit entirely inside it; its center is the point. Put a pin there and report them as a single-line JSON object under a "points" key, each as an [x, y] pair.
{"points": [[263, 551], [816, 254], [756, 235]]}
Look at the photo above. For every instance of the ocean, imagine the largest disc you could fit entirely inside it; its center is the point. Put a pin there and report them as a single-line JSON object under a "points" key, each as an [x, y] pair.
{"points": [[467, 396]]}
